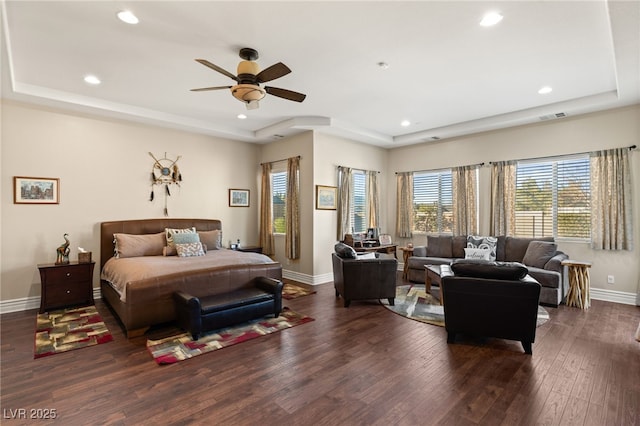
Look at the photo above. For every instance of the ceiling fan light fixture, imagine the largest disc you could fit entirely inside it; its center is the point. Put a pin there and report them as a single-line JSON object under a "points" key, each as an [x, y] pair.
{"points": [[250, 94]]}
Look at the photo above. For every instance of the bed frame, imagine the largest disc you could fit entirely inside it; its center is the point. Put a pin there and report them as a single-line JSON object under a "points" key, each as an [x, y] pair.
{"points": [[152, 302]]}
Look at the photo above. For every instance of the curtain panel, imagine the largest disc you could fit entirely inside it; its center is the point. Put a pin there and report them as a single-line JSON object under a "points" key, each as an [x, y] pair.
{"points": [[611, 220], [344, 202], [503, 198], [266, 224], [404, 205], [373, 198], [465, 200], [292, 241]]}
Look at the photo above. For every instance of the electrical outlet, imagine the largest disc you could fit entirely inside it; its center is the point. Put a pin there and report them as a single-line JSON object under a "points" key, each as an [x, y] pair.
{"points": [[611, 279]]}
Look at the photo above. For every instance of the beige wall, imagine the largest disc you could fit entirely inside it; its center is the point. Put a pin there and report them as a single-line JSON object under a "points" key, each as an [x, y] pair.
{"points": [[609, 129], [104, 170]]}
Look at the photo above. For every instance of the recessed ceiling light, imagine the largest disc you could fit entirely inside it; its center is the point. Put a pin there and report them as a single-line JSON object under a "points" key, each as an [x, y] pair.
{"points": [[128, 17], [544, 90], [242, 116], [405, 123], [92, 79], [491, 19]]}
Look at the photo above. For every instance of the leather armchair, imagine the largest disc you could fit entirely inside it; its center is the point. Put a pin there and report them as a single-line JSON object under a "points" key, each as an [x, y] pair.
{"points": [[490, 307], [360, 279]]}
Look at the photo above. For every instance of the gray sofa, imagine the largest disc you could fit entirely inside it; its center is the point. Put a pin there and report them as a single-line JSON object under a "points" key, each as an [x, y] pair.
{"points": [[542, 260]]}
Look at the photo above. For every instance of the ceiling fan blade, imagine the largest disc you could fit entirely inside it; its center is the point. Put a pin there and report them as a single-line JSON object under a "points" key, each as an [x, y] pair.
{"points": [[217, 68], [272, 72], [203, 89], [285, 94]]}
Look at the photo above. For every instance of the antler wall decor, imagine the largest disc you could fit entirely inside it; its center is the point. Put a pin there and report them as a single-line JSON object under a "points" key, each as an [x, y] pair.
{"points": [[164, 172]]}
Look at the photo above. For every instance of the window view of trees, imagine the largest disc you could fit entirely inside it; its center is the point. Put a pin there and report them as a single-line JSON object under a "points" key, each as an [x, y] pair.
{"points": [[433, 202], [553, 198]]}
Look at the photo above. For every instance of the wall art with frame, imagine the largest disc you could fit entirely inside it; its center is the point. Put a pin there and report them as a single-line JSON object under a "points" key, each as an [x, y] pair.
{"points": [[238, 198], [36, 190], [326, 197]]}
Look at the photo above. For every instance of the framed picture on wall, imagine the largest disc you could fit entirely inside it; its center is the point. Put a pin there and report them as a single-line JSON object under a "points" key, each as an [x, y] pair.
{"points": [[326, 197], [36, 190], [238, 198]]}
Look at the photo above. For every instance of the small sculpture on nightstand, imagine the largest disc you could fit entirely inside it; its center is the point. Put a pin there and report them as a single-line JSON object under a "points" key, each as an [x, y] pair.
{"points": [[63, 252]]}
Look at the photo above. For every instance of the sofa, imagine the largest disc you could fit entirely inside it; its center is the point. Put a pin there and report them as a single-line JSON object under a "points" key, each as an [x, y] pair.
{"points": [[371, 276], [542, 260], [490, 299], [261, 297]]}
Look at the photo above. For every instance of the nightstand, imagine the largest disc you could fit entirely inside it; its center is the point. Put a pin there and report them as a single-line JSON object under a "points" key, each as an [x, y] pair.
{"points": [[65, 285]]}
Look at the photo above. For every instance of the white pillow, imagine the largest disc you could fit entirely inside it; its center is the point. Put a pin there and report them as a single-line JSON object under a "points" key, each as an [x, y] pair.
{"points": [[365, 256], [477, 253]]}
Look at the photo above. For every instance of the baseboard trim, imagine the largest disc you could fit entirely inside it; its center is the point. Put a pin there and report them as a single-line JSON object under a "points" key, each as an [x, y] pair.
{"points": [[306, 278], [614, 296], [33, 302]]}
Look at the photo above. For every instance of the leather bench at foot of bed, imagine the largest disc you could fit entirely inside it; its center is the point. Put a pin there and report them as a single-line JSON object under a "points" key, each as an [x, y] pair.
{"points": [[263, 296]]}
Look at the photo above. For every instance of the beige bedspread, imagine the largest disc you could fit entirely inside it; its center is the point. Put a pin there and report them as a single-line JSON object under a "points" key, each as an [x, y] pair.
{"points": [[127, 271]]}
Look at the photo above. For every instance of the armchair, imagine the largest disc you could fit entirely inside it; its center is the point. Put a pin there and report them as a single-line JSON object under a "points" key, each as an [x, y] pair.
{"points": [[491, 299], [360, 279]]}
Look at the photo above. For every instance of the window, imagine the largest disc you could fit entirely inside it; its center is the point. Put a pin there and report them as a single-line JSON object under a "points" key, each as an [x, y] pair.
{"points": [[358, 213], [279, 201], [553, 198], [433, 202]]}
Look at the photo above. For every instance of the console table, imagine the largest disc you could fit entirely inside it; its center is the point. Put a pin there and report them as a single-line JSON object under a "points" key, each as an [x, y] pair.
{"points": [[578, 294]]}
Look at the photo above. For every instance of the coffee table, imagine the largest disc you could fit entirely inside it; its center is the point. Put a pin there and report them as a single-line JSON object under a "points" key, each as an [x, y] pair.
{"points": [[432, 276]]}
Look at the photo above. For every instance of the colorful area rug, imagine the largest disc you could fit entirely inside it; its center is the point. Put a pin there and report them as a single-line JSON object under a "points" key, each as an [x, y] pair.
{"points": [[181, 347], [68, 329], [293, 291], [412, 301]]}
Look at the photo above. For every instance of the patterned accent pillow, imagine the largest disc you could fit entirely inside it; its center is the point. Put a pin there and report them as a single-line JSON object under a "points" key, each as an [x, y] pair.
{"points": [[170, 232], [489, 243], [190, 249]]}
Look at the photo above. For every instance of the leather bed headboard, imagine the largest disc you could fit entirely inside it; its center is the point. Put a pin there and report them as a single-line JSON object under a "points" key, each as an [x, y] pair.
{"points": [[146, 226]]}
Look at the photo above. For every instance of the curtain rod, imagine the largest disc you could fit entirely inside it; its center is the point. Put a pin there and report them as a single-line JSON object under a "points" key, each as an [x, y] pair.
{"points": [[284, 159], [356, 168], [444, 168], [630, 148]]}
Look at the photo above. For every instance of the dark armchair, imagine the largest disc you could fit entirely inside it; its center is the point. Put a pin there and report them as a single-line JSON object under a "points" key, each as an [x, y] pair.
{"points": [[490, 299], [360, 279]]}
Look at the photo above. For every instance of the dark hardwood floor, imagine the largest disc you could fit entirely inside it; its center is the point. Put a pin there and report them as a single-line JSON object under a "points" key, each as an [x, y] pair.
{"points": [[357, 365]]}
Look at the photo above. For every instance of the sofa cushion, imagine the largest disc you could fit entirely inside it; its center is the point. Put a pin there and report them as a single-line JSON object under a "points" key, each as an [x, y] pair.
{"points": [[516, 247], [458, 246], [344, 251], [439, 246], [489, 269], [546, 278], [490, 243], [538, 253]]}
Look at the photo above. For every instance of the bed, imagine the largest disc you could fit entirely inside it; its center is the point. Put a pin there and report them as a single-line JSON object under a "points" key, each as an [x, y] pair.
{"points": [[139, 285]]}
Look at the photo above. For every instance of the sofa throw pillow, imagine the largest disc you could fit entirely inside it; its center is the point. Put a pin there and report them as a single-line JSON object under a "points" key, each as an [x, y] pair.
{"points": [[344, 251], [489, 269], [476, 253], [439, 246], [133, 245], [538, 253], [490, 243], [190, 249], [170, 232]]}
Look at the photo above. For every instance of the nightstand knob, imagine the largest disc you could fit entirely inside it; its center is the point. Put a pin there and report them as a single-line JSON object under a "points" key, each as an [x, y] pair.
{"points": [[68, 274], [68, 291]]}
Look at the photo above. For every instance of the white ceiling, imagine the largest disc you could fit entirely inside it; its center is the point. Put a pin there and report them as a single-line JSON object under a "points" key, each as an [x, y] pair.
{"points": [[447, 75]]}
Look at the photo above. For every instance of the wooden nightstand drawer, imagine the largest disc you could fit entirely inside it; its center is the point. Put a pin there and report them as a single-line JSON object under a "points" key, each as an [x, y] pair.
{"points": [[65, 285]]}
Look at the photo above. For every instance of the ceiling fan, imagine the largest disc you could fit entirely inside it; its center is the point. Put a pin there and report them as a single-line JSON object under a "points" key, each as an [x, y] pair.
{"points": [[249, 77]]}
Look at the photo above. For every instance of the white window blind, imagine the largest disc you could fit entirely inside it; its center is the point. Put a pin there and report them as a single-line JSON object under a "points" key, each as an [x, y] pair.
{"points": [[553, 198], [358, 213], [279, 201], [432, 202]]}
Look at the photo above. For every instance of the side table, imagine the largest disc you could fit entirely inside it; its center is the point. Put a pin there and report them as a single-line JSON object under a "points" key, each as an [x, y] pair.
{"points": [[578, 294], [65, 285], [407, 252]]}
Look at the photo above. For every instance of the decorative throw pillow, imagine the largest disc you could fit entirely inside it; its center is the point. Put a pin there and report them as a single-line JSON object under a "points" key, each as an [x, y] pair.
{"points": [[344, 251], [213, 239], [538, 253], [190, 249], [133, 245], [476, 253], [483, 243], [172, 251], [185, 238], [170, 232], [366, 256], [488, 269]]}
